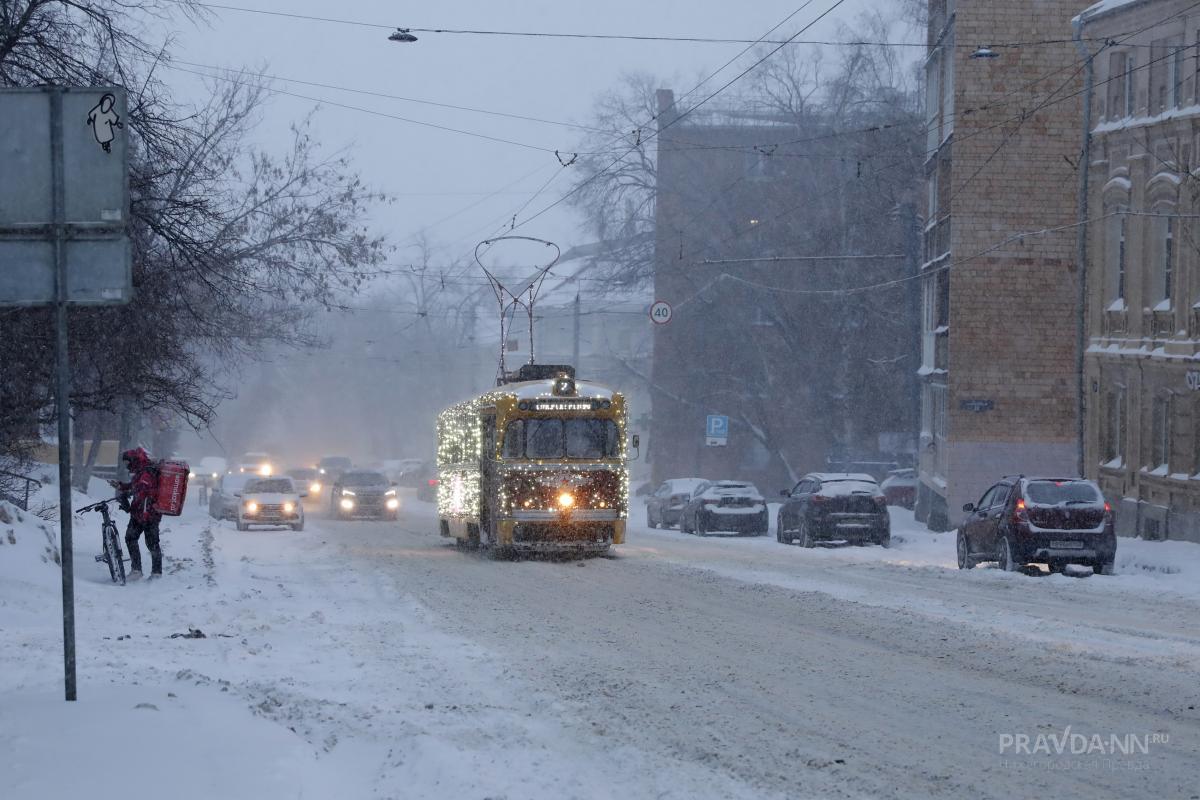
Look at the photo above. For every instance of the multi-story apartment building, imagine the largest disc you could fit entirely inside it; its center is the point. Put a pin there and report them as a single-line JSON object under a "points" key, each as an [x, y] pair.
{"points": [[762, 221], [1143, 358], [998, 372]]}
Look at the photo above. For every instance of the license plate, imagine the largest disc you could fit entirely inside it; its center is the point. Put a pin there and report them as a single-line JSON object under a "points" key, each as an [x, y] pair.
{"points": [[1066, 545]]}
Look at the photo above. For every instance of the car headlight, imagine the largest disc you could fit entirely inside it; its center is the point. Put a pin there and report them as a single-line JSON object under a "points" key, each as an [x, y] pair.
{"points": [[214, 476], [348, 493], [315, 486], [392, 503], [265, 469], [251, 507], [347, 503], [191, 475]]}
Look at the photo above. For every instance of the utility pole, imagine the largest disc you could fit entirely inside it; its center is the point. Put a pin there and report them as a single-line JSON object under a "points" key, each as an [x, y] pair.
{"points": [[575, 348], [1085, 160]]}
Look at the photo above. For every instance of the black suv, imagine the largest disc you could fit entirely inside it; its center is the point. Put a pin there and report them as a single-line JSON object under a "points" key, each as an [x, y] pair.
{"points": [[1053, 521], [835, 506], [358, 494]]}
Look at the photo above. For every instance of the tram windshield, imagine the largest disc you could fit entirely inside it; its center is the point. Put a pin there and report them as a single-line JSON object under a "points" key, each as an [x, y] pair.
{"points": [[549, 437]]}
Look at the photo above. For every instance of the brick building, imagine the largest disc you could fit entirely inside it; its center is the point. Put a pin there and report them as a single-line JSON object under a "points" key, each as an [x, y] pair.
{"points": [[1143, 359], [998, 391], [808, 377]]}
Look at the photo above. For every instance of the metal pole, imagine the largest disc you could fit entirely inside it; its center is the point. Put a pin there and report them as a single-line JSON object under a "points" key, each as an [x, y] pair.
{"points": [[1081, 255], [63, 392], [575, 349]]}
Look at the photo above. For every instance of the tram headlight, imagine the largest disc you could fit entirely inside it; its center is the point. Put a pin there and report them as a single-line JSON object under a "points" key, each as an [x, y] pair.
{"points": [[566, 500]]}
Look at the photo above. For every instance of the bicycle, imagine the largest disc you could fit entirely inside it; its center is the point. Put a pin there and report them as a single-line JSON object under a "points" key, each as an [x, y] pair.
{"points": [[109, 540]]}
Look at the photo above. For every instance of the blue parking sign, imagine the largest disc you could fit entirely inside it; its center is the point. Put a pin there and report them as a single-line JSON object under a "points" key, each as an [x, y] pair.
{"points": [[716, 431]]}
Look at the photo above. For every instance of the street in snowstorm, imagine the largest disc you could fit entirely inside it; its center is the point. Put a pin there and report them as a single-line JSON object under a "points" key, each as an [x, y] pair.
{"points": [[395, 665], [681, 400]]}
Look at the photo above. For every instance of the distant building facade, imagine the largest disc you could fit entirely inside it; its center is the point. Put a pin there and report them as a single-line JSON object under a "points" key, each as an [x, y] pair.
{"points": [[810, 377], [1143, 358], [998, 328]]}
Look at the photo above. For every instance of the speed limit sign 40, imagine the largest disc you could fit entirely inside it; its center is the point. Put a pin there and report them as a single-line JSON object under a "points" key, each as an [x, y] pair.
{"points": [[661, 312]]}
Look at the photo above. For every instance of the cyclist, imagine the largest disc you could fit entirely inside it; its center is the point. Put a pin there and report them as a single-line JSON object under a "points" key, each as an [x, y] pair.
{"points": [[139, 493]]}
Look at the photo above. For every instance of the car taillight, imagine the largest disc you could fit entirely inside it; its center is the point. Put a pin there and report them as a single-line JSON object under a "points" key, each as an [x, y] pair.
{"points": [[1107, 512], [433, 481], [820, 498]]}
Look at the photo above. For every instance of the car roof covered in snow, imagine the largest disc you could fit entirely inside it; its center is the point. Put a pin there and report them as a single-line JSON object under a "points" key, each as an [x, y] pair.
{"points": [[729, 487], [689, 484], [826, 477]]}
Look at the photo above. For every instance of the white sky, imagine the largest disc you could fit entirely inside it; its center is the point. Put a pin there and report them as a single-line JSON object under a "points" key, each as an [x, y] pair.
{"points": [[435, 174]]}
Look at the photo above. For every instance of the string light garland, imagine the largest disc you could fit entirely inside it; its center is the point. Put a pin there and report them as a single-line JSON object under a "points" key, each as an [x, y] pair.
{"points": [[532, 490]]}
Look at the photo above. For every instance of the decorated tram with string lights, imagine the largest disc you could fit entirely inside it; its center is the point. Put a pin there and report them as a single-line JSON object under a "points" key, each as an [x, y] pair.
{"points": [[539, 463]]}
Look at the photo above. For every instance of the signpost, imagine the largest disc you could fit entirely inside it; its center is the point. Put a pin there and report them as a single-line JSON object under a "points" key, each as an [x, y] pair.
{"points": [[716, 432], [64, 208], [661, 312]]}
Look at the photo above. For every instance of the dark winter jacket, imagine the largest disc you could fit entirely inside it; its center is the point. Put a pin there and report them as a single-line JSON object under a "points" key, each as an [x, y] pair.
{"points": [[142, 488]]}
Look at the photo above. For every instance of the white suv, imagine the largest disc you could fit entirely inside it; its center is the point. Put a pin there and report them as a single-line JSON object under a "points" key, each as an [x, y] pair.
{"points": [[270, 501]]}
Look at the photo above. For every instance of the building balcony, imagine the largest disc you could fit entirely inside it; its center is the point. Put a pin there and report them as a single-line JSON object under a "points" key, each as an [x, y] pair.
{"points": [[1116, 322], [1162, 324]]}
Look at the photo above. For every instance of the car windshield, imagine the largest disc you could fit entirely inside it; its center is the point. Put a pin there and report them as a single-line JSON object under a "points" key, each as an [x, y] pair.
{"points": [[234, 483], [1053, 493], [302, 474], [364, 479], [561, 438], [270, 486]]}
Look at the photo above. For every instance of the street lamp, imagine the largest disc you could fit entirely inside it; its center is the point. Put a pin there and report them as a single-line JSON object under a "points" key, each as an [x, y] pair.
{"points": [[402, 35], [985, 52]]}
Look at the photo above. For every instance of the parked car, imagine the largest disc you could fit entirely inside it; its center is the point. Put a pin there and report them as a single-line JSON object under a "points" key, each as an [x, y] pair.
{"points": [[900, 488], [270, 501], [1053, 521], [666, 504], [834, 506], [223, 499], [361, 494], [725, 506]]}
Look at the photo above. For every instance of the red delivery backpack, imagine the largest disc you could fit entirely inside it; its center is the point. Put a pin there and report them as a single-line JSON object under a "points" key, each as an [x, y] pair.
{"points": [[172, 487]]}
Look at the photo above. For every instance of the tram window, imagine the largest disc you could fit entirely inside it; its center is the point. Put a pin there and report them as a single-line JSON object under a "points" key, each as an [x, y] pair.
{"points": [[590, 438], [514, 439], [544, 438]]}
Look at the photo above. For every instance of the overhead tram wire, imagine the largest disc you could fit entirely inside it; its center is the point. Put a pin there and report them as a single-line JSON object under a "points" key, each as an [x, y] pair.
{"points": [[610, 36], [513, 225], [662, 127], [1018, 118]]}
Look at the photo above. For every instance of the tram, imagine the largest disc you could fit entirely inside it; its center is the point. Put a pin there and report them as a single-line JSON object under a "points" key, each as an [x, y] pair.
{"points": [[537, 464]]}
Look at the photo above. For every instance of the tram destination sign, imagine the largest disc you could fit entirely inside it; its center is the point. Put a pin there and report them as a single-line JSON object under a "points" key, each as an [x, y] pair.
{"points": [[560, 404]]}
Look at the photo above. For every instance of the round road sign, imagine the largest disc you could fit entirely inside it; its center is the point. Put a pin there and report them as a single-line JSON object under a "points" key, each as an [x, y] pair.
{"points": [[661, 312]]}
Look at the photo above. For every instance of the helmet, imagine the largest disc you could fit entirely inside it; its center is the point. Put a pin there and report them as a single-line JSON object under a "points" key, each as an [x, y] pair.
{"points": [[135, 459]]}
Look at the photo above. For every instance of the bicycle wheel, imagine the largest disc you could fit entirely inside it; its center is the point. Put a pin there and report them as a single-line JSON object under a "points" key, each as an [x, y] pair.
{"points": [[112, 554]]}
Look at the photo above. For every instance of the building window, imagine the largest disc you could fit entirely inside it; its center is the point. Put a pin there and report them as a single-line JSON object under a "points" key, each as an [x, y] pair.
{"points": [[1116, 255], [1175, 77], [1116, 85], [1130, 86], [933, 99], [1160, 435], [1114, 438], [1168, 260]]}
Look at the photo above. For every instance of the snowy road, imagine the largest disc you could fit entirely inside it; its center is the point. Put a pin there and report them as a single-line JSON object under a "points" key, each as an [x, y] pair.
{"points": [[680, 667]]}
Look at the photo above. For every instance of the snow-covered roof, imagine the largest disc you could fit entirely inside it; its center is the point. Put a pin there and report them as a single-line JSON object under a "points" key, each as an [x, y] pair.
{"points": [[1105, 7], [532, 390]]}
